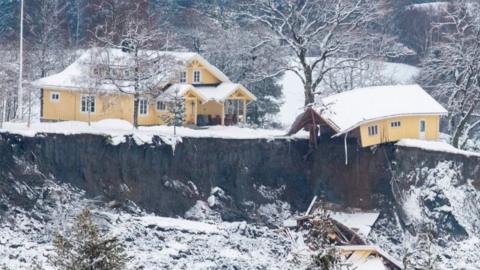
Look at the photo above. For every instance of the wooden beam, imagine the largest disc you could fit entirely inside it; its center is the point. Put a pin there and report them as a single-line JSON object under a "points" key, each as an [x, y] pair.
{"points": [[195, 113], [244, 111], [223, 113]]}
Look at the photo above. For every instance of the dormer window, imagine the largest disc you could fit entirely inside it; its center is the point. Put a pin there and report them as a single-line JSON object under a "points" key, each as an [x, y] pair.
{"points": [[196, 76], [183, 77]]}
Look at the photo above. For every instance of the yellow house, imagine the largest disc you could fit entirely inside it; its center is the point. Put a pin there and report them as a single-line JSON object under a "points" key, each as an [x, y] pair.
{"points": [[87, 91], [381, 114]]}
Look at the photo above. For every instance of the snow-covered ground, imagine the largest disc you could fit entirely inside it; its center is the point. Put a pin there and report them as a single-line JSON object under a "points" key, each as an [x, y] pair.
{"points": [[293, 88], [450, 207], [436, 146], [154, 242], [118, 129], [151, 242]]}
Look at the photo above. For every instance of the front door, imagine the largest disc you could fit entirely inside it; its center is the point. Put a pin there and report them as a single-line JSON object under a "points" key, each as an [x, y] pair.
{"points": [[422, 129], [190, 111]]}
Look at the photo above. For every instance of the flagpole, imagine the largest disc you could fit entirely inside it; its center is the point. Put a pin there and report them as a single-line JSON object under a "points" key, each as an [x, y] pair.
{"points": [[20, 73]]}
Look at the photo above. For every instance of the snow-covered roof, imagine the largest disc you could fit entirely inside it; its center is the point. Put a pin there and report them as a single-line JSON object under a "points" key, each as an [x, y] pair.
{"points": [[175, 89], [360, 222], [348, 110], [217, 93], [78, 76]]}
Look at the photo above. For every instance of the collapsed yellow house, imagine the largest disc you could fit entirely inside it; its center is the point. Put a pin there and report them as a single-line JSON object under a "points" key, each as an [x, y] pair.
{"points": [[382, 114], [375, 115], [85, 90]]}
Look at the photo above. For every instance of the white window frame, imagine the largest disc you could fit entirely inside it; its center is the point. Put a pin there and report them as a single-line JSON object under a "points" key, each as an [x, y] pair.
{"points": [[199, 76], [140, 106], [165, 105], [53, 99], [395, 124], [183, 77], [422, 133], [87, 107], [373, 130]]}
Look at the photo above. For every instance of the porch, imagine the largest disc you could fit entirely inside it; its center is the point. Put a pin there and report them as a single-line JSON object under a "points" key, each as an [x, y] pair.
{"points": [[210, 105], [228, 113]]}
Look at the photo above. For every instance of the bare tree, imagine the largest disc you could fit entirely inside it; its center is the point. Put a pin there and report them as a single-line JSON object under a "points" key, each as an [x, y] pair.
{"points": [[46, 24], [8, 82], [323, 35], [452, 69], [360, 74], [145, 67]]}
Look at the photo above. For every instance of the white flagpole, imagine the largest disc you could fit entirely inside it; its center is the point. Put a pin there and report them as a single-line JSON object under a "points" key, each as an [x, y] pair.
{"points": [[20, 73]]}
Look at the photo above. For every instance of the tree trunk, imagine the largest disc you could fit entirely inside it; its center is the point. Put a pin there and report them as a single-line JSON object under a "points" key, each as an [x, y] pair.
{"points": [[135, 110], [308, 86], [460, 129], [309, 96]]}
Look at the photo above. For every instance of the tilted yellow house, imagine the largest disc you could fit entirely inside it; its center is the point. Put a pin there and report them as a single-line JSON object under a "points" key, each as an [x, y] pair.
{"points": [[86, 90], [381, 114]]}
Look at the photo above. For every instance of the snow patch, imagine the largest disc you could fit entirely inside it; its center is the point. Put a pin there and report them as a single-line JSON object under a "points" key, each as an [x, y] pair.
{"points": [[436, 146], [118, 129]]}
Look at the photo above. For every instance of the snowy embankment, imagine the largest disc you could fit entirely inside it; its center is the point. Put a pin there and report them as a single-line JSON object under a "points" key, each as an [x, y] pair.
{"points": [[435, 146], [118, 129], [151, 242]]}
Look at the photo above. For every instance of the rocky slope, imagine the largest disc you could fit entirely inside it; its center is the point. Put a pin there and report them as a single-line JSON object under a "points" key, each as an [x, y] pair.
{"points": [[224, 183]]}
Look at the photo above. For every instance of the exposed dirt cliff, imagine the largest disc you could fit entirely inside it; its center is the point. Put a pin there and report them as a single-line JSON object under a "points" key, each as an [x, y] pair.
{"points": [[169, 181]]}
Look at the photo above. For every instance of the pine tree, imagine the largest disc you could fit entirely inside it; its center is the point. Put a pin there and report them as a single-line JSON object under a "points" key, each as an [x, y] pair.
{"points": [[87, 249], [177, 110]]}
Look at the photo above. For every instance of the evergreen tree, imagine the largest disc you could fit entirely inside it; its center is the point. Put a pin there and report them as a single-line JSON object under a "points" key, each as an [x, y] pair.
{"points": [[9, 21], [87, 249], [268, 92], [177, 111]]}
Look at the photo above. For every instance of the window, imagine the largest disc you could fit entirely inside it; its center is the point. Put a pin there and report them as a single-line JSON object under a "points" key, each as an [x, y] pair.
{"points": [[372, 130], [143, 106], [55, 97], [183, 77], [196, 76], [395, 124], [422, 126], [87, 104], [161, 106]]}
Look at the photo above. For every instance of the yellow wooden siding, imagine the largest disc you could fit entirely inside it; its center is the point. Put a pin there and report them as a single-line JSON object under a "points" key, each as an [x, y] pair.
{"points": [[409, 129], [120, 106], [206, 77], [210, 108], [67, 108], [151, 118]]}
